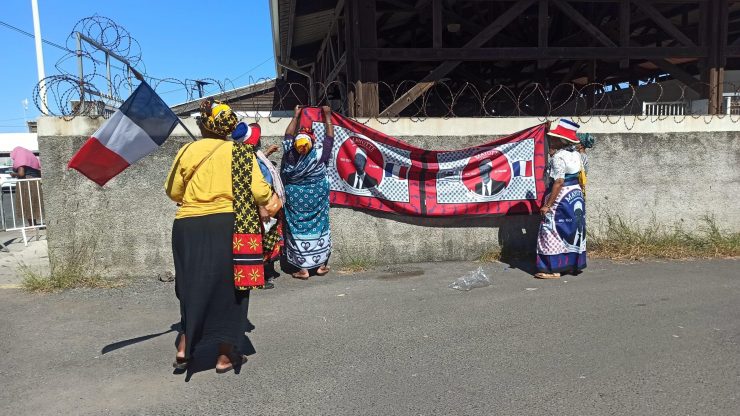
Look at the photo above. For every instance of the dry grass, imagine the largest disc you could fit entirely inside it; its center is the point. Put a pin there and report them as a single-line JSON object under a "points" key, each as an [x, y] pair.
{"points": [[78, 270], [492, 256], [355, 266], [623, 240]]}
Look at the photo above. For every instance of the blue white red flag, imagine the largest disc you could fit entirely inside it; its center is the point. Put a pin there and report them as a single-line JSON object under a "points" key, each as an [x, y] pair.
{"points": [[138, 128], [393, 170], [522, 168]]}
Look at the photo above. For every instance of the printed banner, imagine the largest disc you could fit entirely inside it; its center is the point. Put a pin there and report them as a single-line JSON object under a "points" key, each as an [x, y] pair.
{"points": [[370, 170]]}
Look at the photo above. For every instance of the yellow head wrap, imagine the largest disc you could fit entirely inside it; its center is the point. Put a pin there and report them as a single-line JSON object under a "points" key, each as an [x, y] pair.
{"points": [[217, 117], [303, 143]]}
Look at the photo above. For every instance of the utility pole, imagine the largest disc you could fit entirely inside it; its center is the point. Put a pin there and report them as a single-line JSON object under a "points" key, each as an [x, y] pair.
{"points": [[199, 84], [39, 56]]}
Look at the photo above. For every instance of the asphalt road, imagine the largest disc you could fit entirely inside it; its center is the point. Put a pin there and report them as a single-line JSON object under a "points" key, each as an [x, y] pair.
{"points": [[620, 339]]}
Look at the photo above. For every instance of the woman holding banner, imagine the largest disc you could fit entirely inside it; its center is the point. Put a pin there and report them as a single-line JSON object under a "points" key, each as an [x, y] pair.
{"points": [[561, 243], [307, 237]]}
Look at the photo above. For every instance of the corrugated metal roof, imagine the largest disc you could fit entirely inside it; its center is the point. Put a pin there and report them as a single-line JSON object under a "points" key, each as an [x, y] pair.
{"points": [[308, 28], [238, 94], [312, 27]]}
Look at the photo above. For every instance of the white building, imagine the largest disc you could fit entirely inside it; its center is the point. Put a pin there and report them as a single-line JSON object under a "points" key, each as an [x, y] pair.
{"points": [[9, 141]]}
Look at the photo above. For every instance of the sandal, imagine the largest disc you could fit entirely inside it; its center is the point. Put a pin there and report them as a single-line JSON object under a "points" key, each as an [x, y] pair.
{"points": [[236, 362], [180, 364], [301, 275], [323, 273], [547, 275]]}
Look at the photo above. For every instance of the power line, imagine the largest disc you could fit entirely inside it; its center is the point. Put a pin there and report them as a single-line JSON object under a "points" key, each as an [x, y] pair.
{"points": [[30, 35], [56, 45], [249, 71], [65, 49]]}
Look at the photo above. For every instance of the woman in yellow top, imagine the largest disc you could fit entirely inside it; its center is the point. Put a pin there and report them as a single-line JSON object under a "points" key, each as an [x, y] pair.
{"points": [[210, 179]]}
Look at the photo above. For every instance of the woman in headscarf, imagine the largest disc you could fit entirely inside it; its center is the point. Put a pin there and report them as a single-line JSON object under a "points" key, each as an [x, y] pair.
{"points": [[272, 227], [216, 239], [561, 242], [308, 237], [28, 199], [585, 141]]}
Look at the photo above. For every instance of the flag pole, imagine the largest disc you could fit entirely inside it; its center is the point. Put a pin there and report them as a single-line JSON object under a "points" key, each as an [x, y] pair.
{"points": [[186, 129], [140, 77]]}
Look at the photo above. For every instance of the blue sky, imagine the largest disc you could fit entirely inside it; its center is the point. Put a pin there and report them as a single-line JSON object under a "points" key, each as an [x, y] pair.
{"points": [[179, 39]]}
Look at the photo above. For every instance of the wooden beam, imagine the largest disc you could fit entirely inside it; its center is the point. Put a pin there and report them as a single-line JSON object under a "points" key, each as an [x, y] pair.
{"points": [[367, 88], [584, 22], [543, 28], [733, 51], [437, 29], [608, 1], [349, 43], [624, 29], [484, 36], [368, 35], [399, 5], [337, 12], [679, 74], [525, 54], [474, 28], [663, 22], [337, 68], [724, 27], [715, 100]]}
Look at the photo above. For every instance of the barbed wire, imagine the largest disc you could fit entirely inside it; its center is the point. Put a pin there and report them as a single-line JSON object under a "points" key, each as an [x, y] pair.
{"points": [[84, 85], [447, 99], [95, 93]]}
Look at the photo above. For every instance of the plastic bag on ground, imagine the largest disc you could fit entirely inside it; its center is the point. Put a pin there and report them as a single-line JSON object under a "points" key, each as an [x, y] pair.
{"points": [[471, 280]]}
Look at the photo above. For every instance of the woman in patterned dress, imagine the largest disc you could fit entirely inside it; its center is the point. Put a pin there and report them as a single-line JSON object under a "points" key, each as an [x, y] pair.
{"points": [[203, 183], [303, 170], [561, 242]]}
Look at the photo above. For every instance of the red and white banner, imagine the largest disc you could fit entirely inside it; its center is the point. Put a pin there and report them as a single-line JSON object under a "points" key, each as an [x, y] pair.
{"points": [[370, 170]]}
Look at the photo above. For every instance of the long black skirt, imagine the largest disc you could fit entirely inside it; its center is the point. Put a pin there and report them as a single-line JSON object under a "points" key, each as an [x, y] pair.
{"points": [[211, 310]]}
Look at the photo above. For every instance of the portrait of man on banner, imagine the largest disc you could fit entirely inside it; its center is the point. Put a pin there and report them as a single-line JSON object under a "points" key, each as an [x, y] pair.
{"points": [[488, 184], [360, 179]]}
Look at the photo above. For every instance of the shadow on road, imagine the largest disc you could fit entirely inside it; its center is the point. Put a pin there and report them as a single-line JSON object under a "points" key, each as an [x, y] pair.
{"points": [[204, 359]]}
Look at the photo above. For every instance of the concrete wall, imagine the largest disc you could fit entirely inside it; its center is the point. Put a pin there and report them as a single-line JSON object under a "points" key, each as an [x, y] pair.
{"points": [[673, 170]]}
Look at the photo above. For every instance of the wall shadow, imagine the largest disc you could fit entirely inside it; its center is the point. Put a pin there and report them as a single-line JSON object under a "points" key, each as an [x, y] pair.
{"points": [[517, 233]]}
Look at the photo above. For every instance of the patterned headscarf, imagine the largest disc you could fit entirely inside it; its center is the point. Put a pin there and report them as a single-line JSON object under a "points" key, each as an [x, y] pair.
{"points": [[586, 140], [217, 117], [304, 141]]}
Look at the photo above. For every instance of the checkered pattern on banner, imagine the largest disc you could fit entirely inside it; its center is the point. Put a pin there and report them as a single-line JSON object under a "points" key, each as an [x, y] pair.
{"points": [[452, 190], [390, 188]]}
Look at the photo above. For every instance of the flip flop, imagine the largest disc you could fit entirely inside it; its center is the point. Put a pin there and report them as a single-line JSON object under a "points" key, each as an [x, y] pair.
{"points": [[301, 276], [324, 273], [234, 357], [180, 364], [547, 275]]}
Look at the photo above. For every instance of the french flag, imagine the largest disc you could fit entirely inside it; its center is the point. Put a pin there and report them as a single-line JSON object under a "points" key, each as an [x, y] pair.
{"points": [[393, 170], [522, 168], [138, 128]]}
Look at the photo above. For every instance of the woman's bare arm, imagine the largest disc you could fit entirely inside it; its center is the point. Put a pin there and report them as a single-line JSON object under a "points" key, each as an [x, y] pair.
{"points": [[556, 187], [293, 126]]}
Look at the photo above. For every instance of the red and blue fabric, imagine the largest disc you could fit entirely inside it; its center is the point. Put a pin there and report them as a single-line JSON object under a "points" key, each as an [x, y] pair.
{"points": [[561, 242]]}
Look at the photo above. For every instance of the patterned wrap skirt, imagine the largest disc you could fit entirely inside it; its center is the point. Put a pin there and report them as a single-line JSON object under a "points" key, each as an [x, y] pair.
{"points": [[308, 236], [211, 310], [561, 242]]}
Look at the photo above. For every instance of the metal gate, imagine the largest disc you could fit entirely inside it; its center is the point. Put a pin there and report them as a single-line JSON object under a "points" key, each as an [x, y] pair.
{"points": [[22, 206]]}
